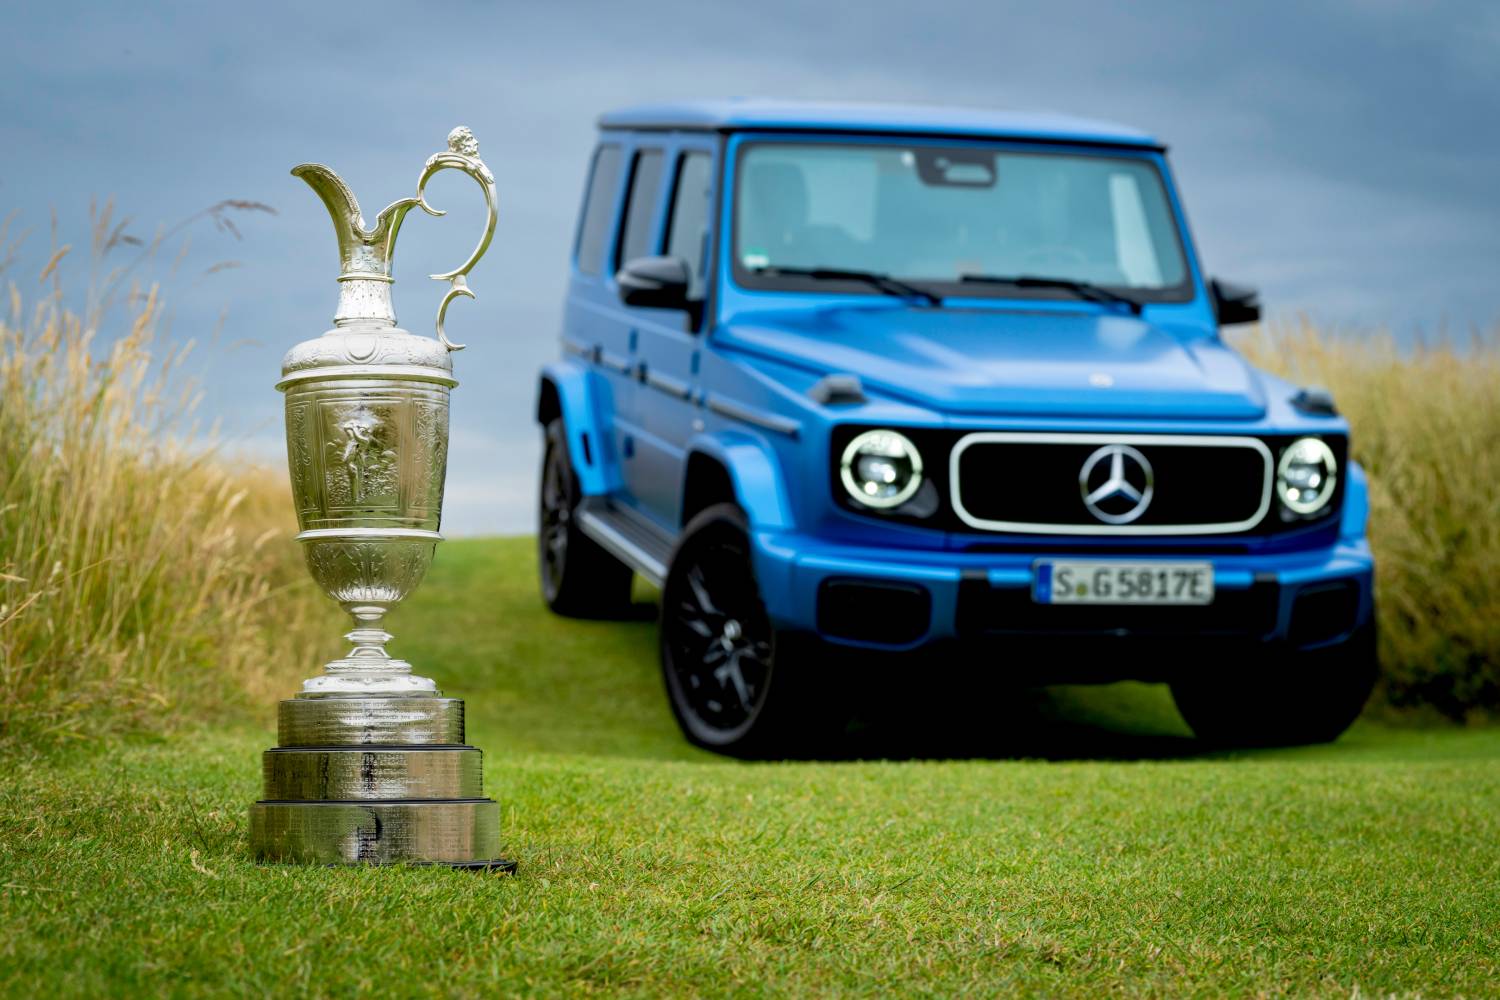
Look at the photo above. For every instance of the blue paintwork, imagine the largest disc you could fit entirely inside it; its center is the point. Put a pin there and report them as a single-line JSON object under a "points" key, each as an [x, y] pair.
{"points": [[596, 464], [1036, 363], [739, 114], [758, 483], [975, 364]]}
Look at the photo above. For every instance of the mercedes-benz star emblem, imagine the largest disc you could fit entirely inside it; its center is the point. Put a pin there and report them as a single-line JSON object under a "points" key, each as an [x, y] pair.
{"points": [[1116, 484]]}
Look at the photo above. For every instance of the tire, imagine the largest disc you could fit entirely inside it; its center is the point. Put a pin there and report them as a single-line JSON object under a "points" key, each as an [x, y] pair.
{"points": [[736, 684], [578, 578], [1303, 697]]}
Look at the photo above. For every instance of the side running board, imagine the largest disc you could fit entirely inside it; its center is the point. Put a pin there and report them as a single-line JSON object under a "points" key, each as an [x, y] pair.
{"points": [[623, 535]]}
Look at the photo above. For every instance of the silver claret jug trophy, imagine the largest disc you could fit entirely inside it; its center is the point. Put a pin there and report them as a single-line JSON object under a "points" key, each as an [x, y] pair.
{"points": [[372, 766]]}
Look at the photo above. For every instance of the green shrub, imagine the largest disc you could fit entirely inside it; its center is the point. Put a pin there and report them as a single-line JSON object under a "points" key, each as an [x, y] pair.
{"points": [[1426, 426]]}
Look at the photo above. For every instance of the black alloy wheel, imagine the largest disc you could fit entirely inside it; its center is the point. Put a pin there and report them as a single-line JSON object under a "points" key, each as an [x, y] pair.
{"points": [[1296, 697], [736, 684], [578, 578], [717, 642]]}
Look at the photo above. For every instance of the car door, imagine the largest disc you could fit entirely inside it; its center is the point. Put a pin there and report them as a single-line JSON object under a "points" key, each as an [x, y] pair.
{"points": [[637, 236], [668, 341], [592, 325]]}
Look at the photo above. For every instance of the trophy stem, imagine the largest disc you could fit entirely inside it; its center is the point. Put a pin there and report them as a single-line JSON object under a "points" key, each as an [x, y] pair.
{"points": [[369, 638], [367, 669]]}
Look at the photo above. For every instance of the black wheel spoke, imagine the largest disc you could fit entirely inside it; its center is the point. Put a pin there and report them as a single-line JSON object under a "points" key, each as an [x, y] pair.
{"points": [[700, 591], [732, 668], [699, 626], [716, 633]]}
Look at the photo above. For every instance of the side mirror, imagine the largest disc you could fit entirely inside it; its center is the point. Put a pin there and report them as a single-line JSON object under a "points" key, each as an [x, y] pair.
{"points": [[655, 282], [1234, 303]]}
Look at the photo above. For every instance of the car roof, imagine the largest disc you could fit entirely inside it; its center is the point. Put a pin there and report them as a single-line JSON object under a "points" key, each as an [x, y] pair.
{"points": [[760, 114]]}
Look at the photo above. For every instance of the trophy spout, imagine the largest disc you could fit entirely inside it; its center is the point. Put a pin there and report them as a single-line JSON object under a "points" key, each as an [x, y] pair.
{"points": [[343, 209], [365, 255]]}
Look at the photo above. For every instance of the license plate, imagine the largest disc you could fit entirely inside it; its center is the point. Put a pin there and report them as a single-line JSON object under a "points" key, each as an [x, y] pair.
{"points": [[1059, 581]]}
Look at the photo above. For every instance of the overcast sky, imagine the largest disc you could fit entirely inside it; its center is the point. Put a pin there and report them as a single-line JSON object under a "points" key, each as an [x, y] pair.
{"points": [[1343, 156]]}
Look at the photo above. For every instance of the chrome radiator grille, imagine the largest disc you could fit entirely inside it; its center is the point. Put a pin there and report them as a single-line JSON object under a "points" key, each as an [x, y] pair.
{"points": [[1110, 484]]}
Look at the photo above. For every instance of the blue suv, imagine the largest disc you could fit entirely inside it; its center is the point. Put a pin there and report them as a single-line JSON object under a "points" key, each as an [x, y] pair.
{"points": [[862, 384]]}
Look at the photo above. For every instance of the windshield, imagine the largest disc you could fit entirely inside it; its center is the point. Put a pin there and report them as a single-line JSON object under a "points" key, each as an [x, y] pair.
{"points": [[959, 219]]}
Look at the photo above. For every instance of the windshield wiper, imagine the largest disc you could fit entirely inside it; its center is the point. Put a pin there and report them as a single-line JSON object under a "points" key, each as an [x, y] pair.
{"points": [[1086, 290], [884, 282]]}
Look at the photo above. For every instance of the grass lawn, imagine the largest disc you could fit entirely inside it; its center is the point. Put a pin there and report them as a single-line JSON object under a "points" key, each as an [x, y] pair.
{"points": [[1371, 866]]}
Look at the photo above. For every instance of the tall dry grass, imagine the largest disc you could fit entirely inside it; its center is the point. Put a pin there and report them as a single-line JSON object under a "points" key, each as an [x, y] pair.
{"points": [[143, 579], [1426, 426]]}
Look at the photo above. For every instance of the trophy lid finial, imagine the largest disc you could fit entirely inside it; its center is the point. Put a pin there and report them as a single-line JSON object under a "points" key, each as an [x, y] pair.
{"points": [[461, 141]]}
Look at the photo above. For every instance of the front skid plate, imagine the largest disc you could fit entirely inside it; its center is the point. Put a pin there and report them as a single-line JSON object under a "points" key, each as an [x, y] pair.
{"points": [[460, 831]]}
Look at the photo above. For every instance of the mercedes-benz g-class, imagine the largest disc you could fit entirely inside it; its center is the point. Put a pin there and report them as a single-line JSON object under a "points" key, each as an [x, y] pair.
{"points": [[910, 380]]}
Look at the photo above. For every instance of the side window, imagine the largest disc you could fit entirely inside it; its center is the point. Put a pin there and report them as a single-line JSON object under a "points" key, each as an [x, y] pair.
{"points": [[640, 210], [593, 233], [687, 230]]}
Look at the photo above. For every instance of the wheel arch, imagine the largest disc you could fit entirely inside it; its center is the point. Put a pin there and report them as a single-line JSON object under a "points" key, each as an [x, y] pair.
{"points": [[566, 391], [735, 467]]}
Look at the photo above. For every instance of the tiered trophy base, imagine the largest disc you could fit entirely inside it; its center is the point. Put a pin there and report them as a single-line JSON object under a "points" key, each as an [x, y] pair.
{"points": [[375, 781]]}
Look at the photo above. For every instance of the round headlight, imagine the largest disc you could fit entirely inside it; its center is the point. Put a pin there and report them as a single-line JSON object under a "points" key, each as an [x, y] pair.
{"points": [[1306, 475], [881, 469]]}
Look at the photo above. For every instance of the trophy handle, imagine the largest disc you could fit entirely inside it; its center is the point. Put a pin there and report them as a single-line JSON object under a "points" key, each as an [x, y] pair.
{"points": [[462, 154]]}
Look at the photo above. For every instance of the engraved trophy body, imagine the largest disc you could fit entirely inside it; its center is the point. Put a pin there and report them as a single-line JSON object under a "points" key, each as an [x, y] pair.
{"points": [[371, 765]]}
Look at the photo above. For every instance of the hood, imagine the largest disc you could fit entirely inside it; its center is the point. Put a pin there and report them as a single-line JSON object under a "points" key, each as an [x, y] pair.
{"points": [[1059, 363]]}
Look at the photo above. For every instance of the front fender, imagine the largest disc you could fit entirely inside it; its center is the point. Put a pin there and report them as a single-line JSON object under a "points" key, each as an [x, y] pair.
{"points": [[755, 474], [582, 399], [1356, 515]]}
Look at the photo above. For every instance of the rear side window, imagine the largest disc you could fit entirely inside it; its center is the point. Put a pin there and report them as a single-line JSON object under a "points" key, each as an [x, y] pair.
{"points": [[640, 211], [593, 234], [687, 231]]}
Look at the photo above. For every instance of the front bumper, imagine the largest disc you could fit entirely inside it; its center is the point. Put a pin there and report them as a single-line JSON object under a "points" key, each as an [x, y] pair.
{"points": [[893, 599]]}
